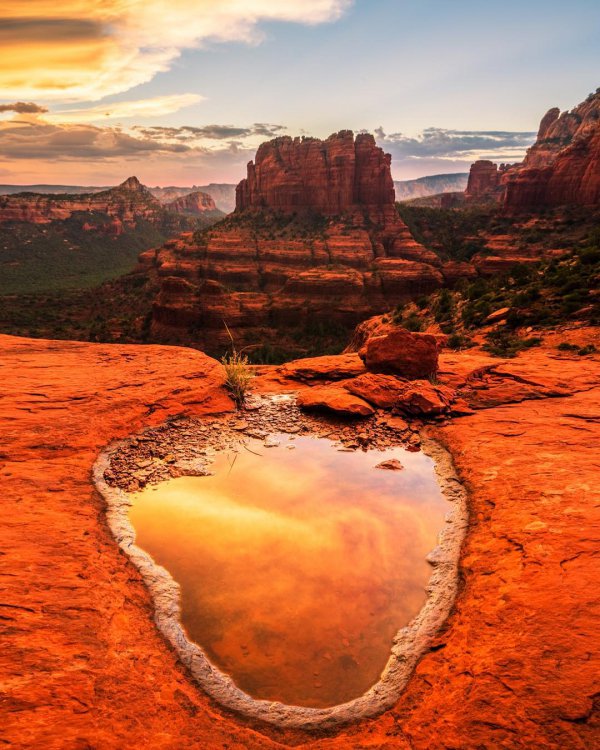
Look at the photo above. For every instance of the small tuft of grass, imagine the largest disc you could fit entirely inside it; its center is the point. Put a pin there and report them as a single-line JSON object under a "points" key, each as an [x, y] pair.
{"points": [[239, 375], [237, 371]]}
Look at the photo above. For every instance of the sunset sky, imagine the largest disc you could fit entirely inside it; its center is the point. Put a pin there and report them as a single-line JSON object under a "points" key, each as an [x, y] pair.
{"points": [[182, 92]]}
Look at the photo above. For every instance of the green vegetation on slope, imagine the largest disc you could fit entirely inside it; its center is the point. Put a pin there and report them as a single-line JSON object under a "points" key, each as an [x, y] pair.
{"points": [[115, 311], [536, 296], [64, 255], [460, 233]]}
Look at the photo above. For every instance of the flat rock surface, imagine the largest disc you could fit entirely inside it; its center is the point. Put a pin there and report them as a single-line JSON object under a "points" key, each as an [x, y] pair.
{"points": [[83, 666]]}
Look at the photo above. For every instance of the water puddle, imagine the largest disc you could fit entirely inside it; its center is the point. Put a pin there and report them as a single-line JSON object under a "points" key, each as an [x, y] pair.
{"points": [[298, 563]]}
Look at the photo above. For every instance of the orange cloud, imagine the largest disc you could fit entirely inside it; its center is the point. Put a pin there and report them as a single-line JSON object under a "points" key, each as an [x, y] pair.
{"points": [[77, 51], [153, 107]]}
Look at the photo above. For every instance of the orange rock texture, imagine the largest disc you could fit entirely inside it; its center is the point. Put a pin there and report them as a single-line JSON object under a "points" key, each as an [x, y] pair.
{"points": [[561, 168], [83, 666], [484, 179]]}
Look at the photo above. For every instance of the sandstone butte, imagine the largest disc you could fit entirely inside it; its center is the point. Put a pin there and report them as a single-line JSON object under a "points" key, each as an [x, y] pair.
{"points": [[126, 205], [83, 666], [346, 253], [196, 203], [561, 168]]}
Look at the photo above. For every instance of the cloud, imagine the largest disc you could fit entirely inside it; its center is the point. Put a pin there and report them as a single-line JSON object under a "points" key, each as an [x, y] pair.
{"points": [[23, 108], [76, 50], [211, 132], [153, 107], [48, 139], [442, 143], [74, 142]]}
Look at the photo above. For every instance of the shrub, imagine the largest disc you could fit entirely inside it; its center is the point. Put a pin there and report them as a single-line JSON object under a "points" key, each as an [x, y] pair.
{"points": [[505, 344], [458, 341], [444, 306], [413, 323]]}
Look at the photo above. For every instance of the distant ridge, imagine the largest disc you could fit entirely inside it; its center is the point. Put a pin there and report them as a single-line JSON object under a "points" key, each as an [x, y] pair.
{"points": [[222, 193], [434, 184]]}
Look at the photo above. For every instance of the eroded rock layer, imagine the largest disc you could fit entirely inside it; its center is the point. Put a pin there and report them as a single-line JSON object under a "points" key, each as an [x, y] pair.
{"points": [[561, 168], [128, 203], [195, 203]]}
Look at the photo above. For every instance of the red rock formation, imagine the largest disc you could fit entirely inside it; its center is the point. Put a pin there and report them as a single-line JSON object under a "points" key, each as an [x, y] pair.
{"points": [[483, 179], [329, 177], [563, 166], [82, 658], [194, 204], [125, 206], [334, 398]]}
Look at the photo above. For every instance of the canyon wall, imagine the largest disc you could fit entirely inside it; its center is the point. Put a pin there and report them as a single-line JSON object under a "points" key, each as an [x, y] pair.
{"points": [[561, 168], [563, 165], [483, 178]]}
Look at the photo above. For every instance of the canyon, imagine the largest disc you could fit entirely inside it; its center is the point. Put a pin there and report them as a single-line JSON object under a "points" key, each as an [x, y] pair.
{"points": [[222, 193], [125, 205], [315, 238], [66, 241]]}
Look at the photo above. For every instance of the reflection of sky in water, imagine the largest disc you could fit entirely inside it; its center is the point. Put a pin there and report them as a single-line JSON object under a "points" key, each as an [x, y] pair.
{"points": [[297, 567]]}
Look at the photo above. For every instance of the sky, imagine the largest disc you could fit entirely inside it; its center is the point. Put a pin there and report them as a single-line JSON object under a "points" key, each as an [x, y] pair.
{"points": [[182, 92]]}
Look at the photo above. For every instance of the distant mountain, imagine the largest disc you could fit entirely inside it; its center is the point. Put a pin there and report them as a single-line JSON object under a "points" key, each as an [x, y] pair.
{"points": [[422, 187], [194, 204], [52, 189], [222, 193], [52, 241]]}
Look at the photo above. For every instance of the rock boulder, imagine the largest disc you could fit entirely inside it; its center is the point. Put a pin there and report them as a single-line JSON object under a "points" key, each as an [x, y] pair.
{"points": [[400, 352]]}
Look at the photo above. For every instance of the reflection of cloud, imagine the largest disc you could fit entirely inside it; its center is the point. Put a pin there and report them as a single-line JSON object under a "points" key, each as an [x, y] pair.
{"points": [[296, 564], [79, 50]]}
